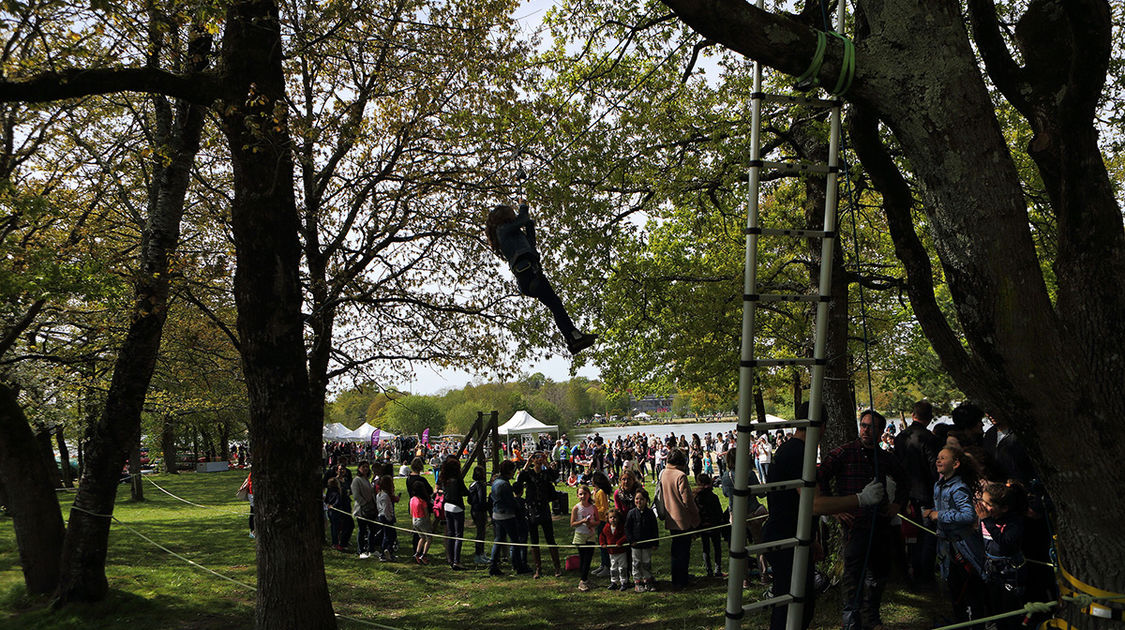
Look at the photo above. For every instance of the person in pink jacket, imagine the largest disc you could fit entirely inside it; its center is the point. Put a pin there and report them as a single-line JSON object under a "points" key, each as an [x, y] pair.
{"points": [[682, 514]]}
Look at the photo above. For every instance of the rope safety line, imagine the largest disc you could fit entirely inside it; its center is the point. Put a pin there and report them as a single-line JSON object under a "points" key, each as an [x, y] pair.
{"points": [[533, 545], [936, 535], [212, 571], [208, 507]]}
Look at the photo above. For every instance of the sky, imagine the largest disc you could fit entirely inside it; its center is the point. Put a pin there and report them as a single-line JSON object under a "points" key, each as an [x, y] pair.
{"points": [[429, 381]]}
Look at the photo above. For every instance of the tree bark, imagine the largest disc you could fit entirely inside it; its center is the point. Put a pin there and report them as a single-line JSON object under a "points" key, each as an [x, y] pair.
{"points": [[64, 458], [136, 485], [110, 437], [168, 446], [284, 433], [31, 498], [1035, 363], [43, 445]]}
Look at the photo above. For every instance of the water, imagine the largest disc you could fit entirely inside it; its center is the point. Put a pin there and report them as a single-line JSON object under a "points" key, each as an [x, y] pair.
{"points": [[660, 430]]}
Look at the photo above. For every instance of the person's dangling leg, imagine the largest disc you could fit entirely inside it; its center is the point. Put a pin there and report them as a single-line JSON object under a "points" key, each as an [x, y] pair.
{"points": [[534, 284]]}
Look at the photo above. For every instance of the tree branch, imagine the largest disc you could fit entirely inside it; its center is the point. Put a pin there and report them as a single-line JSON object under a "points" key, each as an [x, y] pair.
{"points": [[200, 88]]}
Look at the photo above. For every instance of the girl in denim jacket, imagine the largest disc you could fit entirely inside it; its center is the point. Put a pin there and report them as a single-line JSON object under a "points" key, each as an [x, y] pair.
{"points": [[960, 546]]}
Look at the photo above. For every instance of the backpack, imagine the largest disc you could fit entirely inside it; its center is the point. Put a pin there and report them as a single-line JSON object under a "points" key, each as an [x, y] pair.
{"points": [[658, 499], [439, 505]]}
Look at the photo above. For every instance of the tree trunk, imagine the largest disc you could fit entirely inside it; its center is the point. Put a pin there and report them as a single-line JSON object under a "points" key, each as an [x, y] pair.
{"points": [[836, 395], [136, 484], [1024, 359], [110, 437], [46, 451], [284, 434], [31, 498], [168, 446], [64, 458]]}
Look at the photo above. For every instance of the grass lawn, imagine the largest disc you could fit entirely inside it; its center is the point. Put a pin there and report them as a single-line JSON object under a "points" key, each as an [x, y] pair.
{"points": [[152, 588]]}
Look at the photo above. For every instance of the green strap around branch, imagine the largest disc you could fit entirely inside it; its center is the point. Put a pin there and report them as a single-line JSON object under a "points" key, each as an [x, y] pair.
{"points": [[847, 66], [808, 79]]}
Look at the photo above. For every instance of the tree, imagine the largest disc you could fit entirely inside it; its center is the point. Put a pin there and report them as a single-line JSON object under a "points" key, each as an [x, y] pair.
{"points": [[1027, 357], [411, 415]]}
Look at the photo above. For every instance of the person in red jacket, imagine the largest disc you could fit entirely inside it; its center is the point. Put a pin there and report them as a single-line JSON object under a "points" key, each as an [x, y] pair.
{"points": [[613, 539]]}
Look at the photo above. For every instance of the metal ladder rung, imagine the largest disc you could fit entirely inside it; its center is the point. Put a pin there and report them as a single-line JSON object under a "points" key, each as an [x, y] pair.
{"points": [[781, 362], [786, 99], [775, 545], [796, 168], [765, 298], [788, 232], [791, 424], [788, 484], [767, 603]]}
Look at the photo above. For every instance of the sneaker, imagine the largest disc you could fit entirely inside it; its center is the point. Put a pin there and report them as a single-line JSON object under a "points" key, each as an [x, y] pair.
{"points": [[384, 557], [612, 586], [364, 556], [583, 586], [639, 588], [650, 587], [580, 341], [252, 535], [493, 571], [417, 560]]}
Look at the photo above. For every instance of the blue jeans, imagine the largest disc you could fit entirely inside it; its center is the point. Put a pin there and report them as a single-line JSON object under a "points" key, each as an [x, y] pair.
{"points": [[505, 530], [454, 526]]}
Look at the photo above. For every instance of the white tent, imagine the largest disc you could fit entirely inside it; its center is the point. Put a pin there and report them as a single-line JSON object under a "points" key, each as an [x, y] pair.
{"points": [[641, 416], [773, 418], [523, 422], [333, 432], [362, 433]]}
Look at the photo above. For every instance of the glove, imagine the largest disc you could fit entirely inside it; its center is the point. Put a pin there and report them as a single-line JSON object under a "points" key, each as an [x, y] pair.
{"points": [[872, 494], [891, 487]]}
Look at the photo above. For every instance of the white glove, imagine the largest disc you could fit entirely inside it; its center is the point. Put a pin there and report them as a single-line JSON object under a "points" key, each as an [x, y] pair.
{"points": [[872, 494]]}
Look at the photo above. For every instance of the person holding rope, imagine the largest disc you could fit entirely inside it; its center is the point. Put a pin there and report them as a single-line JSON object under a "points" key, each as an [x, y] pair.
{"points": [[783, 508], [867, 538], [512, 236]]}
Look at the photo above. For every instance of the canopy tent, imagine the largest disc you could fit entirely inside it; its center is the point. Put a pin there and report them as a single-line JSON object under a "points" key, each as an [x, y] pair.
{"points": [[523, 422], [773, 418], [333, 432], [641, 416], [364, 431]]}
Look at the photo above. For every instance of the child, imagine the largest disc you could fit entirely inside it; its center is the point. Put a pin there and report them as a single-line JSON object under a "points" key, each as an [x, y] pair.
{"points": [[420, 514], [1001, 511], [711, 515], [612, 539], [960, 547], [509, 238], [385, 503], [640, 529], [584, 520]]}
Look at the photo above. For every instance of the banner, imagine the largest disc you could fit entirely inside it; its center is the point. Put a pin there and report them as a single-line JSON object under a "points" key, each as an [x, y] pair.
{"points": [[426, 436], [374, 437]]}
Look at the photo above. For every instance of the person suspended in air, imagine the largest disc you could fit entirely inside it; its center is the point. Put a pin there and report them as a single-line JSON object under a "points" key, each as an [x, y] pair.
{"points": [[512, 236]]}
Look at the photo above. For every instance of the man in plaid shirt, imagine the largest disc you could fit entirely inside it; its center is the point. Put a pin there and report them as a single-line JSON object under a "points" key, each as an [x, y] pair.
{"points": [[845, 471]]}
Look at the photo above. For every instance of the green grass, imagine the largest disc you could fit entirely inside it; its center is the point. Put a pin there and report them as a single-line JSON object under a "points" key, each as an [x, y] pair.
{"points": [[150, 588]]}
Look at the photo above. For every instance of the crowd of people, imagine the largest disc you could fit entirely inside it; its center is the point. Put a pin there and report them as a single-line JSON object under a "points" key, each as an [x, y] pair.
{"points": [[976, 490]]}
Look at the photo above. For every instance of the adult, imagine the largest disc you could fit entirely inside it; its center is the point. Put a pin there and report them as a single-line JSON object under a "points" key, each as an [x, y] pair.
{"points": [[504, 519], [452, 484], [788, 464], [537, 484], [364, 510], [867, 535], [916, 448], [968, 421], [512, 237], [682, 515]]}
